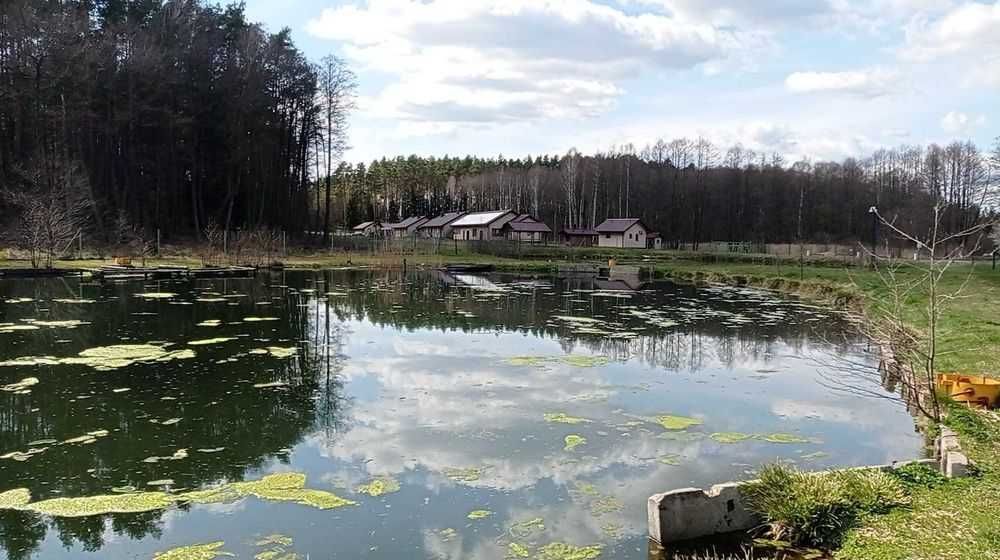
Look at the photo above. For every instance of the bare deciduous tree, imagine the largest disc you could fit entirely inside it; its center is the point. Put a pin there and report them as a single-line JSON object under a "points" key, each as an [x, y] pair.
{"points": [[52, 210]]}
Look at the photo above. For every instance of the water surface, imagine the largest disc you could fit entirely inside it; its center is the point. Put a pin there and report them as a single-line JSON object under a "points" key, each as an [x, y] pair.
{"points": [[498, 414]]}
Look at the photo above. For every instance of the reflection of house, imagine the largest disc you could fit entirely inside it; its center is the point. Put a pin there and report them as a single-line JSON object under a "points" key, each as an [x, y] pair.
{"points": [[367, 228], [578, 237], [526, 228], [439, 227], [628, 233], [406, 228], [481, 226]]}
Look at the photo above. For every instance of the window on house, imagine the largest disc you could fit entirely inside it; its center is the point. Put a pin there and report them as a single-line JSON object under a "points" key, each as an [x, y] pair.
{"points": [[607, 236]]}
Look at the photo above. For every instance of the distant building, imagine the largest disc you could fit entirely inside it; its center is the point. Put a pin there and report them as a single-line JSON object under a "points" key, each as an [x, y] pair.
{"points": [[406, 228], [367, 228], [439, 227], [578, 237], [481, 226], [627, 233], [653, 240], [527, 229]]}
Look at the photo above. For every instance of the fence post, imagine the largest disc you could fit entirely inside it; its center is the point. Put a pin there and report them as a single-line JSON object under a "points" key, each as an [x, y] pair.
{"points": [[157, 242]]}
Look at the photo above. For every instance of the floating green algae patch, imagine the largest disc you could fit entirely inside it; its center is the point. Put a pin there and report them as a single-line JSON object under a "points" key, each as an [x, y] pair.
{"points": [[573, 360], [68, 324], [379, 487], [586, 361], [14, 328], [16, 498], [731, 437], [605, 505], [21, 386], [209, 323], [75, 301], [276, 351], [573, 441], [681, 436], [563, 551], [156, 295], [671, 422], [208, 551], [100, 505], [210, 341], [260, 319], [671, 459], [104, 358], [479, 514], [275, 540], [563, 418], [281, 487], [517, 550], [528, 527], [471, 474], [785, 438]]}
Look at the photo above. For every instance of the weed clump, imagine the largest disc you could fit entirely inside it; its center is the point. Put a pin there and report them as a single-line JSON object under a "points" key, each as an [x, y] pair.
{"points": [[817, 509]]}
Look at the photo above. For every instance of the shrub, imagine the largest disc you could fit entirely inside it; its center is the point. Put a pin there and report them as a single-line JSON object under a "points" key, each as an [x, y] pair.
{"points": [[816, 509], [917, 475]]}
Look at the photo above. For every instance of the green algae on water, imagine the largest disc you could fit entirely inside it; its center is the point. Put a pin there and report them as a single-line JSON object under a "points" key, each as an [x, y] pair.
{"points": [[156, 295], [208, 551], [527, 528], [730, 437], [479, 514], [379, 487], [563, 418], [16, 498], [670, 459], [21, 386], [671, 422], [101, 505], [281, 487], [785, 438], [586, 361], [275, 540], [209, 341], [517, 550], [573, 441], [563, 551], [471, 474]]}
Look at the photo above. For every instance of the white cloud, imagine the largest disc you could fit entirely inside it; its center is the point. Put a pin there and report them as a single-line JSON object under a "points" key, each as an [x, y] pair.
{"points": [[970, 28], [865, 83], [499, 61], [956, 122]]}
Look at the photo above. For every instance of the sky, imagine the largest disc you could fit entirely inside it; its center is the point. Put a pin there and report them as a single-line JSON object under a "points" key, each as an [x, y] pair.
{"points": [[816, 79]]}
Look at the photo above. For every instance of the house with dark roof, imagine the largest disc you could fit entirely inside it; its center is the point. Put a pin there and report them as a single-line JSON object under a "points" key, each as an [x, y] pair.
{"points": [[367, 228], [625, 233], [578, 237], [526, 228], [481, 226], [439, 227], [405, 228]]}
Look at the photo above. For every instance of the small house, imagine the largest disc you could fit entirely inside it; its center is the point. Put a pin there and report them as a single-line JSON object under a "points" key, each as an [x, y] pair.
{"points": [[405, 228], [653, 240], [578, 237], [625, 233], [367, 228], [439, 227], [481, 226], [527, 229]]}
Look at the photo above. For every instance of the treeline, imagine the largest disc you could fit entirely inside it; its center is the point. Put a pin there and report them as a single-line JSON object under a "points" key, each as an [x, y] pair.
{"points": [[688, 190], [171, 113]]}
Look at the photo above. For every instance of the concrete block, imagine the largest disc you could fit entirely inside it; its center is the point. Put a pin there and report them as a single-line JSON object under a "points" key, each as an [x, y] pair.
{"points": [[956, 465], [691, 513]]}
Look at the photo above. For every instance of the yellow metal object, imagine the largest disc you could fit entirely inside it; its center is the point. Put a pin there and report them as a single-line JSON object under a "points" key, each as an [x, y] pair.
{"points": [[974, 390]]}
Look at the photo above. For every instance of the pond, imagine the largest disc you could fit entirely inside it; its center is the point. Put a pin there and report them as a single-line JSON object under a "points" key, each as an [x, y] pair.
{"points": [[352, 413]]}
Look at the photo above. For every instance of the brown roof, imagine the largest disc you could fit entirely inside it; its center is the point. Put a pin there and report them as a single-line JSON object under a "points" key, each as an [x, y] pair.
{"points": [[442, 220], [527, 226], [618, 225]]}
